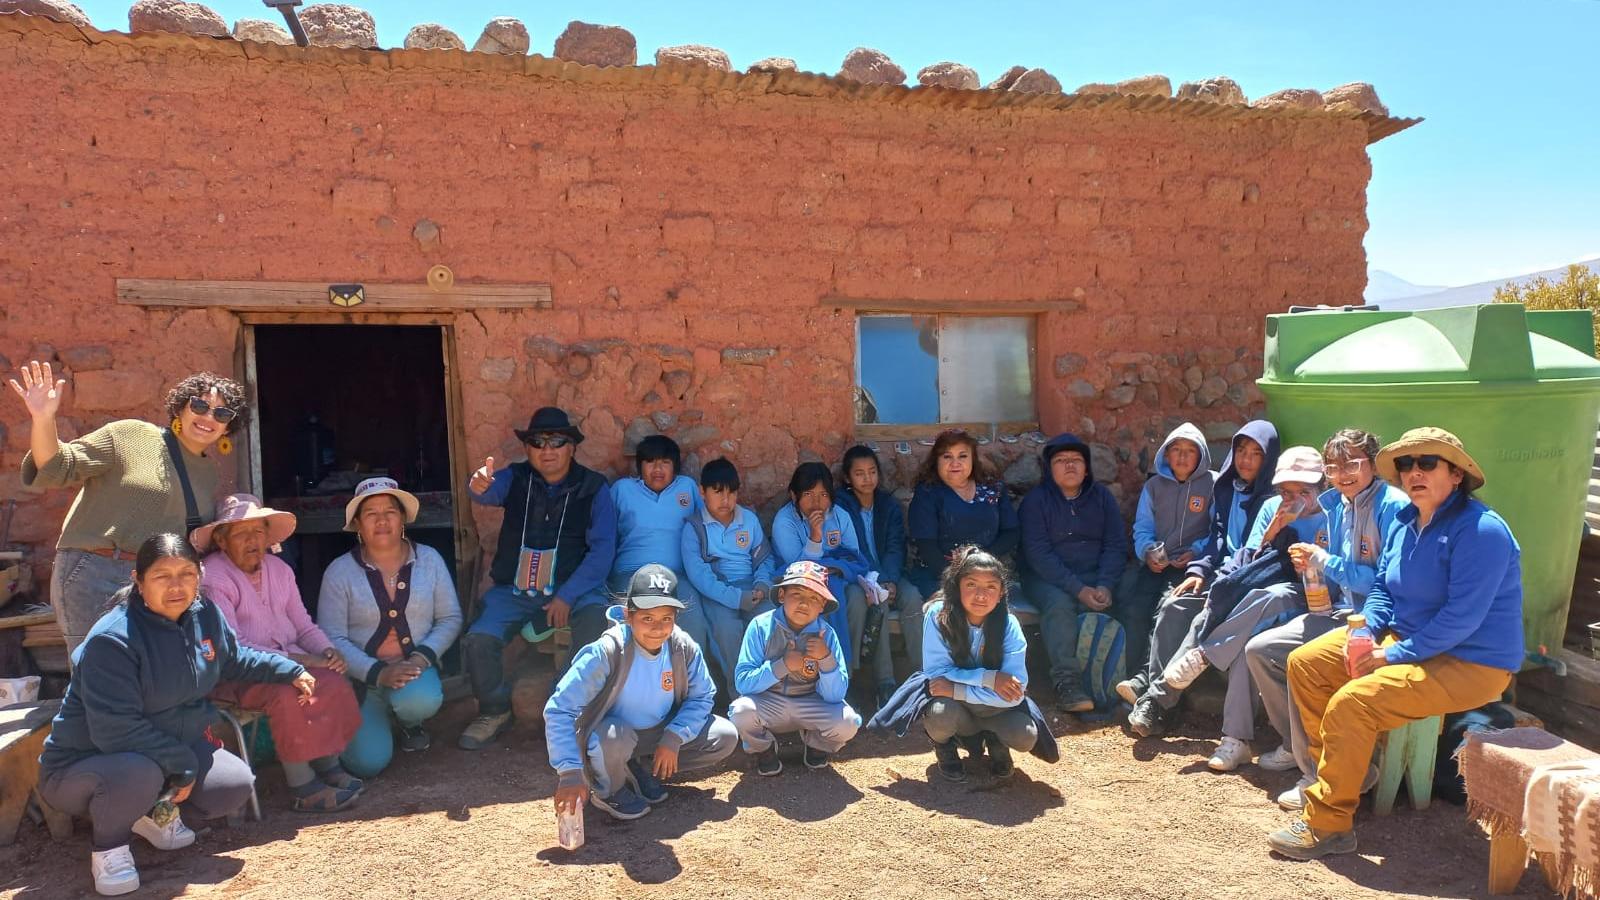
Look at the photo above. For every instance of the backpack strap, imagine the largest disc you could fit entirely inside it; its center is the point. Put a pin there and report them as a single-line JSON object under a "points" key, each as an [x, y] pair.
{"points": [[680, 668], [611, 644], [191, 511], [699, 527], [761, 553]]}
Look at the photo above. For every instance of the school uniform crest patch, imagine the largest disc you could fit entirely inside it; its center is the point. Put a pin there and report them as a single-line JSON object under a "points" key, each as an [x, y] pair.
{"points": [[1322, 538], [1197, 504], [208, 649], [1366, 548], [666, 681], [683, 500], [741, 539], [832, 538]]}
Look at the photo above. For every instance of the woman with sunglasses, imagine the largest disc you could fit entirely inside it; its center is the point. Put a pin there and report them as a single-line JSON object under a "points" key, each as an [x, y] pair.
{"points": [[1445, 612], [135, 480]]}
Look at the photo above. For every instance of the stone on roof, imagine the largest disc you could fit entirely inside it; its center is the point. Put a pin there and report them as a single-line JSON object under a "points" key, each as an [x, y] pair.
{"points": [[597, 45], [1220, 89], [1290, 98], [1146, 86], [262, 32], [1357, 96], [696, 55], [1096, 87], [430, 36], [503, 34], [868, 66], [774, 64], [950, 75], [1036, 81], [59, 10], [176, 16], [339, 25], [1006, 79]]}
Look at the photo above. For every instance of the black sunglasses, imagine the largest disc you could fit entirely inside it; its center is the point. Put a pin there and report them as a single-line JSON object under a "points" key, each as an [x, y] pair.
{"points": [[1426, 462], [551, 441], [200, 407]]}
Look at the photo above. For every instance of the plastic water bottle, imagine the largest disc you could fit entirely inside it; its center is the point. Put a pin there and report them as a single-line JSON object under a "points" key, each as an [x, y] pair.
{"points": [[1318, 600], [569, 828], [1358, 643]]}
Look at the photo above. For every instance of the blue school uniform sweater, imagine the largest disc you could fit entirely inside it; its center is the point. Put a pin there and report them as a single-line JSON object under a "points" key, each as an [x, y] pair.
{"points": [[1453, 587], [1357, 533], [1307, 529], [881, 531], [650, 525], [791, 536], [732, 569], [761, 667], [973, 685]]}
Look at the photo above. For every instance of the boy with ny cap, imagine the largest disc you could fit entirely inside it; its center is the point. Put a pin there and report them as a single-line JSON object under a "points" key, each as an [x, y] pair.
{"points": [[634, 707], [792, 675]]}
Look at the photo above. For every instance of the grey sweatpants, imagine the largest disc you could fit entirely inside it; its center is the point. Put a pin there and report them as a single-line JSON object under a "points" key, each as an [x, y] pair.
{"points": [[1171, 635], [115, 789], [946, 717], [822, 725], [1267, 657], [81, 585], [613, 744]]}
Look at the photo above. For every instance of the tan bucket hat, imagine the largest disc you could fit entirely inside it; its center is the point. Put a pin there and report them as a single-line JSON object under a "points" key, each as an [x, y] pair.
{"points": [[1430, 441], [242, 508], [372, 487]]}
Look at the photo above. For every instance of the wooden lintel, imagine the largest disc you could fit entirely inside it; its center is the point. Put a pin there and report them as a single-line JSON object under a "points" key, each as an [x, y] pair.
{"points": [[956, 307], [310, 296], [879, 431]]}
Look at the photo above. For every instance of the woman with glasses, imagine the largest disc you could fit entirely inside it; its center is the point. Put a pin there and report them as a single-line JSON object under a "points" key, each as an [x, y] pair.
{"points": [[1445, 615], [135, 480], [1361, 509]]}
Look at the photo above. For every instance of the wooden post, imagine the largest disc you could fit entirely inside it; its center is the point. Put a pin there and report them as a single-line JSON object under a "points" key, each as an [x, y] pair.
{"points": [[1508, 857]]}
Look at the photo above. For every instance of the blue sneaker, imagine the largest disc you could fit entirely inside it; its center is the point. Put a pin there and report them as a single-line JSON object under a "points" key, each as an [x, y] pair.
{"points": [[646, 783], [622, 804]]}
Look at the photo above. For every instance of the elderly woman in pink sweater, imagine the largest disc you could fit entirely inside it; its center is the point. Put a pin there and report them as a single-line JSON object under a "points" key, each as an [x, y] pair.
{"points": [[256, 593]]}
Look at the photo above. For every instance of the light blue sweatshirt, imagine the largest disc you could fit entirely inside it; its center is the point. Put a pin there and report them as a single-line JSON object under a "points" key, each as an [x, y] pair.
{"points": [[1307, 529], [1357, 533], [650, 525], [730, 575], [791, 537], [761, 666], [973, 685]]}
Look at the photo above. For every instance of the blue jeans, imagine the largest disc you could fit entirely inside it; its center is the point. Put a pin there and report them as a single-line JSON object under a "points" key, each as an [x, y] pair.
{"points": [[1058, 624], [505, 611], [373, 746]]}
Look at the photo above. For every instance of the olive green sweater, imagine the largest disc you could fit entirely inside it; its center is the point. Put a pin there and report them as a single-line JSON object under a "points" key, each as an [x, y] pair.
{"points": [[129, 489]]}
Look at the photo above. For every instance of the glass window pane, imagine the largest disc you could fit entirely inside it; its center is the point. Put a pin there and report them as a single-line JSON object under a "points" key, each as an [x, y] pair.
{"points": [[897, 369], [986, 369]]}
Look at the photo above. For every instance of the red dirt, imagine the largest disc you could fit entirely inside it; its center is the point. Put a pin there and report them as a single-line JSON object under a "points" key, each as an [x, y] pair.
{"points": [[1115, 818]]}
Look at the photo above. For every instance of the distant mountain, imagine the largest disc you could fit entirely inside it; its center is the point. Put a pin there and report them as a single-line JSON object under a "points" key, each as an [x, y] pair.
{"points": [[1383, 286], [1470, 294]]}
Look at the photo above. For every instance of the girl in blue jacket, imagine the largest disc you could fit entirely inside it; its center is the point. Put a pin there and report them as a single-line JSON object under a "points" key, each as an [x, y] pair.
{"points": [[132, 727], [880, 526]]}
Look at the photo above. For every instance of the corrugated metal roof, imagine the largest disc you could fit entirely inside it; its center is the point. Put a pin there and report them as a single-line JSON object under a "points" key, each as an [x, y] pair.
{"points": [[804, 84]]}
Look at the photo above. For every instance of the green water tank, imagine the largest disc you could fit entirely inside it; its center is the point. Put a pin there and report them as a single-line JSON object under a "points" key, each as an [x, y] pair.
{"points": [[1520, 389]]}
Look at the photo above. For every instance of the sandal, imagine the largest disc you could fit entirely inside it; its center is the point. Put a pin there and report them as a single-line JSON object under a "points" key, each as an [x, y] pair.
{"points": [[318, 797], [337, 777]]}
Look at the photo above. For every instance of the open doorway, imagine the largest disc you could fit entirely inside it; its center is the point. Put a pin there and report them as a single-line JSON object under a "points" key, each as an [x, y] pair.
{"points": [[340, 403]]}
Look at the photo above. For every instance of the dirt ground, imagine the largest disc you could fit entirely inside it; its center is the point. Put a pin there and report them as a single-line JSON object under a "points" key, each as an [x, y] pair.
{"points": [[1115, 818]]}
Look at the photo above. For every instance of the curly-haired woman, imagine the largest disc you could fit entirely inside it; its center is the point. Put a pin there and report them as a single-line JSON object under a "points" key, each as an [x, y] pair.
{"points": [[135, 480]]}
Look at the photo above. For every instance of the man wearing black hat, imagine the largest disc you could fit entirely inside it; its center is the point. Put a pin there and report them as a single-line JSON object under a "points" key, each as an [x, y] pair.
{"points": [[556, 546]]}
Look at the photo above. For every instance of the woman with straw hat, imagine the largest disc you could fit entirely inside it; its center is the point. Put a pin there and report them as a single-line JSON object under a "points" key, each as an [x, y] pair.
{"points": [[257, 594], [390, 607], [1445, 613]]}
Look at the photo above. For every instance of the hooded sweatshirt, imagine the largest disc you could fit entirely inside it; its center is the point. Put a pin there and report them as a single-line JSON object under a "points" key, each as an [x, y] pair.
{"points": [[1177, 513], [1234, 503], [1076, 543]]}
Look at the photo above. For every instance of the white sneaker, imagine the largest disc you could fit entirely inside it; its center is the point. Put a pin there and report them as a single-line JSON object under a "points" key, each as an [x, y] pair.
{"points": [[1231, 754], [1294, 799], [1181, 672], [175, 836], [1279, 760], [114, 871], [1128, 689]]}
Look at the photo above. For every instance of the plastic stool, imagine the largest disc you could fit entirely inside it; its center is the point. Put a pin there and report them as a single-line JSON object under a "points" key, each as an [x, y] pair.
{"points": [[1408, 752]]}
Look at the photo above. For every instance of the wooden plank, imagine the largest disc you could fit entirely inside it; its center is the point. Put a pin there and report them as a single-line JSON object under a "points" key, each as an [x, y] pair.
{"points": [[290, 296], [1581, 684], [958, 307], [467, 543], [1508, 859], [881, 431], [25, 621]]}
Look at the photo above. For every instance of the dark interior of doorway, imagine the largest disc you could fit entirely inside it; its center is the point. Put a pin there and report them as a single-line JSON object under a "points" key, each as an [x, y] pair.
{"points": [[337, 403]]}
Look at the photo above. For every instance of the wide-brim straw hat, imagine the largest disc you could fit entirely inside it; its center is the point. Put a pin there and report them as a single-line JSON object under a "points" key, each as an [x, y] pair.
{"points": [[372, 487], [243, 508], [1430, 441]]}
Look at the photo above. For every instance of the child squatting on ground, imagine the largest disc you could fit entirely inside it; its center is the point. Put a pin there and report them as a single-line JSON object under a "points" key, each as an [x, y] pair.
{"points": [[642, 688]]}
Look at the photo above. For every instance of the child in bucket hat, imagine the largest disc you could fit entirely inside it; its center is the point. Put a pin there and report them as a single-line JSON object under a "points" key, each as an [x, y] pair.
{"points": [[634, 708], [792, 675]]}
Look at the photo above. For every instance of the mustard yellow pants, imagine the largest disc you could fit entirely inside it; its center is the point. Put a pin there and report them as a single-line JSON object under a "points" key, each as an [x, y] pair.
{"points": [[1343, 716]]}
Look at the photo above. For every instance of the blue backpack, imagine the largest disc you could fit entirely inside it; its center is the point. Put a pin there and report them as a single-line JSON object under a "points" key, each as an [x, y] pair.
{"points": [[1100, 652]]}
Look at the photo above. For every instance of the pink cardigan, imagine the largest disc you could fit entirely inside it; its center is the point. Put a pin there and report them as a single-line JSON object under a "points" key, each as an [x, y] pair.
{"points": [[274, 620]]}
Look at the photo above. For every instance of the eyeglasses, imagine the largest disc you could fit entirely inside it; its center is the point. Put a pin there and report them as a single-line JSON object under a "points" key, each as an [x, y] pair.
{"points": [[222, 414], [1426, 462], [1348, 467], [548, 441]]}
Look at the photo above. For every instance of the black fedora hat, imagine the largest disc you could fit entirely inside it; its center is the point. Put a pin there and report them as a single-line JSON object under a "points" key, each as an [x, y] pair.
{"points": [[549, 420]]}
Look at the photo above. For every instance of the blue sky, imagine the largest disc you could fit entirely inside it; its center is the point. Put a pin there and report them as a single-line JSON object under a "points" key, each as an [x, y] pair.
{"points": [[1500, 180]]}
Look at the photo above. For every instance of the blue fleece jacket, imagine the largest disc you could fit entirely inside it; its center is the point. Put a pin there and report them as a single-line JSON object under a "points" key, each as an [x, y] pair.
{"points": [[1453, 587], [140, 681], [1234, 503], [732, 573], [887, 550], [1357, 533], [973, 685], [767, 639], [1073, 542], [650, 525]]}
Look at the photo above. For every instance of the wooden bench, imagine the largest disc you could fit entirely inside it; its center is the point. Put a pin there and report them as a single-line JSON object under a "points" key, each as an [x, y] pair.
{"points": [[1408, 754], [23, 728]]}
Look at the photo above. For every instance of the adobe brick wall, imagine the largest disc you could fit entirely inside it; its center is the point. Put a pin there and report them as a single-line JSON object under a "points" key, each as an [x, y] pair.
{"points": [[688, 237]]}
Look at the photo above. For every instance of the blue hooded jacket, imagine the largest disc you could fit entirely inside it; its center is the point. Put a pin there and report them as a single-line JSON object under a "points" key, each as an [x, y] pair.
{"points": [[1234, 507], [1072, 543]]}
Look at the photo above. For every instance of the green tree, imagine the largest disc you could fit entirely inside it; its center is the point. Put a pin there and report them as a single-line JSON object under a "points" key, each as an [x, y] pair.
{"points": [[1580, 289]]}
